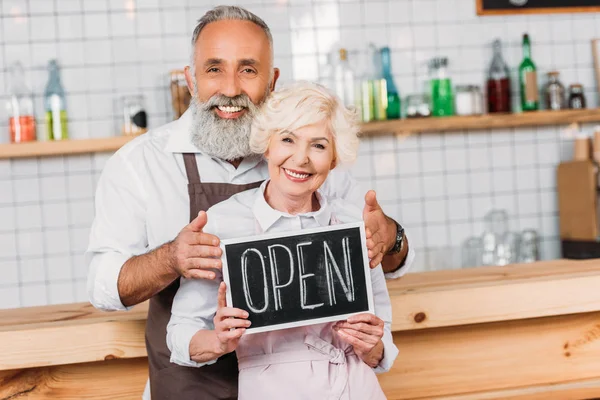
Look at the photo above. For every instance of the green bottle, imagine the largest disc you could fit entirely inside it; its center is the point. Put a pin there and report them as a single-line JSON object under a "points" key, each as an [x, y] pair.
{"points": [[54, 99], [528, 79], [393, 99]]}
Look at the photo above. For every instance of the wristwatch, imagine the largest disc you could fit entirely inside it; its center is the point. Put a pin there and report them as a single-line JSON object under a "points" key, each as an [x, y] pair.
{"points": [[399, 238]]}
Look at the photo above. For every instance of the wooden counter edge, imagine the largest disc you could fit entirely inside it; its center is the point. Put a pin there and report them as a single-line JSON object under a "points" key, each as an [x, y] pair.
{"points": [[475, 296]]}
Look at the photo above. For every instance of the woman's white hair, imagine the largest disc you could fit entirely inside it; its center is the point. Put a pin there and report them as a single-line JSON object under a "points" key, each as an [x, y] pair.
{"points": [[300, 104]]}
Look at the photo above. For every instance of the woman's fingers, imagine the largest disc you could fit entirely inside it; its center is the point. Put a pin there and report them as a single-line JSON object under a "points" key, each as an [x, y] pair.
{"points": [[221, 296]]}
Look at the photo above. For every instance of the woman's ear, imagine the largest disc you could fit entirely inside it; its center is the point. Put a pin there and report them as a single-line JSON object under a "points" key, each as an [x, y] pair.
{"points": [[333, 164]]}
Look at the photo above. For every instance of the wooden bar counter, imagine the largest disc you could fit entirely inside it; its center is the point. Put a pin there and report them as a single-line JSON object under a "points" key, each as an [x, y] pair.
{"points": [[529, 331]]}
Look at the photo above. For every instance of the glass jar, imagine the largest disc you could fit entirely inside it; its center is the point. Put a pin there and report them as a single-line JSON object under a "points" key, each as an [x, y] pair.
{"points": [[134, 118], [468, 100], [554, 92], [417, 106], [528, 248], [576, 97]]}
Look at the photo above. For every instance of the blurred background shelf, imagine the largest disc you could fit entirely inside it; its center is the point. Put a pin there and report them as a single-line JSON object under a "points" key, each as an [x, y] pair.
{"points": [[488, 121], [62, 147], [404, 126]]}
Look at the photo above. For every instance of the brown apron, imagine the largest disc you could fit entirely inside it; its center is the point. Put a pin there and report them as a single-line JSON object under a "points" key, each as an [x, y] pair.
{"points": [[168, 380]]}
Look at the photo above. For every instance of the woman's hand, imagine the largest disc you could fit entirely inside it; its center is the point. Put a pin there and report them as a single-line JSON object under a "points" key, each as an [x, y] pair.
{"points": [[230, 323], [364, 333]]}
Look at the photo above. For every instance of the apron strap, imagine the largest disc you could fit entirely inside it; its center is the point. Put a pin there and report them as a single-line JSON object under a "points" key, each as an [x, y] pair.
{"points": [[191, 168]]}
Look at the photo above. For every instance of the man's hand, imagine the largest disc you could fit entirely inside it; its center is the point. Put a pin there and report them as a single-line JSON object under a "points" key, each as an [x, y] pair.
{"points": [[380, 230], [230, 323], [194, 253], [364, 333]]}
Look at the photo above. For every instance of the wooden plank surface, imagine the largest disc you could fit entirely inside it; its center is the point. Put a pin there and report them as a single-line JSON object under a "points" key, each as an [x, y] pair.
{"points": [[495, 357], [114, 380], [500, 294], [61, 147], [491, 121]]}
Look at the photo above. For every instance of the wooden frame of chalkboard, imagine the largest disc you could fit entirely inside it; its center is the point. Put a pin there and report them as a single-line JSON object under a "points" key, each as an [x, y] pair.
{"points": [[355, 250], [503, 7]]}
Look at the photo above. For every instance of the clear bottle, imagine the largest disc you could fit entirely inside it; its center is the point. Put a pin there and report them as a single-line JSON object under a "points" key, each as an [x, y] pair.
{"points": [[528, 79], [371, 98], [344, 79], [393, 98], [498, 82], [554, 92], [21, 118], [54, 99], [442, 96]]}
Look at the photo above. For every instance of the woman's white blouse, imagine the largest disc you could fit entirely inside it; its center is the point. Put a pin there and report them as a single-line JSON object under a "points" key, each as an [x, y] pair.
{"points": [[242, 215]]}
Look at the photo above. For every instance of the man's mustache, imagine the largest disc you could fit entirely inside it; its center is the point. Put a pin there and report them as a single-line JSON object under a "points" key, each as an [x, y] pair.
{"points": [[220, 100]]}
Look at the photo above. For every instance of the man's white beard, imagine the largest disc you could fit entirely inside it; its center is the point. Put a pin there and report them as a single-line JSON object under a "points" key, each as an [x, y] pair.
{"points": [[227, 139]]}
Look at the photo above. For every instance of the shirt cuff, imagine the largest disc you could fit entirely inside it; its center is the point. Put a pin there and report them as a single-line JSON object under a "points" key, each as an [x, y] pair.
{"points": [[410, 257], [103, 289], [178, 341], [390, 352]]}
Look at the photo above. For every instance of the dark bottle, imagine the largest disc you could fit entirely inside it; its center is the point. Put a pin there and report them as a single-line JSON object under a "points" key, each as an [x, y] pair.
{"points": [[528, 79], [498, 83]]}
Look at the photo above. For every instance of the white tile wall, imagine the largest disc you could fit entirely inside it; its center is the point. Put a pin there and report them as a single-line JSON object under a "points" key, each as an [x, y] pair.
{"points": [[438, 185]]}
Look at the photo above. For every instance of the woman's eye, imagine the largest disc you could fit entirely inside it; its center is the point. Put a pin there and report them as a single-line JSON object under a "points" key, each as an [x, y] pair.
{"points": [[287, 140], [319, 146]]}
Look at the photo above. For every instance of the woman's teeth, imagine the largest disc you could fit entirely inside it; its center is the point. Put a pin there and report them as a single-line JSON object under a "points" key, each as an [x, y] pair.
{"points": [[296, 175], [230, 109]]}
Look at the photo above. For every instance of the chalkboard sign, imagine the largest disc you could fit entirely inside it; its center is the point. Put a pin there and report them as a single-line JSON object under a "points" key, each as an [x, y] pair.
{"points": [[494, 7], [306, 277]]}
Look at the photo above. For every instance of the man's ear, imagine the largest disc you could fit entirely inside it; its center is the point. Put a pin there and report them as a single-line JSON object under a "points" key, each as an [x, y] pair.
{"points": [[276, 73], [189, 79]]}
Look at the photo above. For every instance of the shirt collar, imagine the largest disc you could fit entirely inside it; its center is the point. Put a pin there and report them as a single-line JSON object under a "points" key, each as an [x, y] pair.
{"points": [[267, 216], [180, 137]]}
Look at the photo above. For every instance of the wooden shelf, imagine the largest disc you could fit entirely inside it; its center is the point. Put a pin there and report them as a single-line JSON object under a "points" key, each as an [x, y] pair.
{"points": [[405, 126], [54, 148], [495, 121]]}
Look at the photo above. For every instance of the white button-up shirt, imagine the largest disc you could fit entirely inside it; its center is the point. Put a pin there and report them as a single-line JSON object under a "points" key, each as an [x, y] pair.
{"points": [[142, 201], [247, 214]]}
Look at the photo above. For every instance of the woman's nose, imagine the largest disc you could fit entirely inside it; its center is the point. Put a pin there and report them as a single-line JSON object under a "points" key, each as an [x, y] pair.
{"points": [[301, 157]]}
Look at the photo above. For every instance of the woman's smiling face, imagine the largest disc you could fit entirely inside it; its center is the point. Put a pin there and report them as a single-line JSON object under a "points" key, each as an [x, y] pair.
{"points": [[300, 161]]}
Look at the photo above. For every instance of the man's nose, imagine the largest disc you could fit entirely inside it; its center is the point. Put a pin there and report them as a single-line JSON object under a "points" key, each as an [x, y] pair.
{"points": [[230, 86]]}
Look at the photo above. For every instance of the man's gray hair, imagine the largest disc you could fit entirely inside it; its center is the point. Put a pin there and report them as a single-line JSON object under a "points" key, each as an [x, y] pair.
{"points": [[223, 13]]}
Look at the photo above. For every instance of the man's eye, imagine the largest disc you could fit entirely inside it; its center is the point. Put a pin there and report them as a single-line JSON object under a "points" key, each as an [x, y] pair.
{"points": [[249, 71], [213, 69]]}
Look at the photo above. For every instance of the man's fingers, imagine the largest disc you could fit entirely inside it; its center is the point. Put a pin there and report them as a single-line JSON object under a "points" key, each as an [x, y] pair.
{"points": [[201, 238], [203, 251], [371, 200], [199, 274], [203, 263], [221, 296], [197, 223], [376, 261]]}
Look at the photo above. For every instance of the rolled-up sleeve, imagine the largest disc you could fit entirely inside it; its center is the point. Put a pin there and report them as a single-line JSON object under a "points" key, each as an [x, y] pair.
{"points": [[383, 309], [118, 231], [193, 308]]}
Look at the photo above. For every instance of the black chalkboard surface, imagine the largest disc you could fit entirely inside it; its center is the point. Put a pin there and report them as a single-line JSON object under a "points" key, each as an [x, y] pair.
{"points": [[306, 277], [536, 6]]}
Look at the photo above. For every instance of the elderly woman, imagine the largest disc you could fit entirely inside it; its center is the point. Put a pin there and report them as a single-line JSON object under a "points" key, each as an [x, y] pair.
{"points": [[304, 132]]}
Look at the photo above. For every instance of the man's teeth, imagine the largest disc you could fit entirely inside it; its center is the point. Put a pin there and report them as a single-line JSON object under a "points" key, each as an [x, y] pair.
{"points": [[230, 109], [296, 175]]}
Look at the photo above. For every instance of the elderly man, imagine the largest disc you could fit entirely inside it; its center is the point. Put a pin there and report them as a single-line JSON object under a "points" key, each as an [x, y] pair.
{"points": [[142, 239]]}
